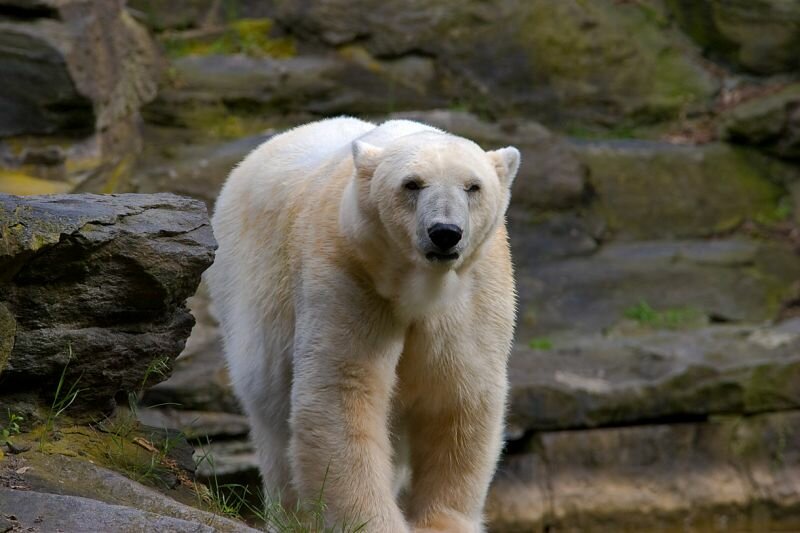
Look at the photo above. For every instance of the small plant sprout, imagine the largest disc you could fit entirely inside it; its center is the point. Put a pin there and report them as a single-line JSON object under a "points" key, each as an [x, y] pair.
{"points": [[61, 400], [11, 428]]}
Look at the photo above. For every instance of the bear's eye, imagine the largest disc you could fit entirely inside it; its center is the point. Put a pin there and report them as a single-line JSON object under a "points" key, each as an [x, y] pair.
{"points": [[412, 185], [474, 188]]}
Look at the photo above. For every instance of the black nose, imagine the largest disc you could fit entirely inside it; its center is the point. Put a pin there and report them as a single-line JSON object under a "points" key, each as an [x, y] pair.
{"points": [[444, 236]]}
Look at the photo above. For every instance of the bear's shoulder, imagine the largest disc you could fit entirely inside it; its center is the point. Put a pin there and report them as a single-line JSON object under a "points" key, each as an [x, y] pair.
{"points": [[390, 130]]}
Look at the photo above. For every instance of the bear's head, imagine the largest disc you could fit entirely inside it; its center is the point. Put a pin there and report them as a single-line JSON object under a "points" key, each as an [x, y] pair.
{"points": [[436, 197]]}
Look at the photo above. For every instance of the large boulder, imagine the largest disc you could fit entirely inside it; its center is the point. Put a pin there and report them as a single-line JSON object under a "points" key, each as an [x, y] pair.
{"points": [[598, 60], [760, 36], [77, 72], [94, 289]]}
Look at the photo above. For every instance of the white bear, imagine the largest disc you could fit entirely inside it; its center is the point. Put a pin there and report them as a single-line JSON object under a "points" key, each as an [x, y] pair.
{"points": [[364, 286]]}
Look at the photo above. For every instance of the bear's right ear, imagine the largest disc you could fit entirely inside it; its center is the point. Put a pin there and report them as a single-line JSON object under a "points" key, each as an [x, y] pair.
{"points": [[366, 158]]}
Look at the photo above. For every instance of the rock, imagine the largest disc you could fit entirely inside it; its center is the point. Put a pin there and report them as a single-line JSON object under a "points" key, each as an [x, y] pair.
{"points": [[71, 514], [195, 424], [193, 14], [724, 474], [769, 122], [647, 189], [80, 71], [656, 375], [349, 81], [97, 285], [759, 36], [550, 177], [197, 170], [725, 280], [80, 479], [200, 379], [228, 461], [597, 61]]}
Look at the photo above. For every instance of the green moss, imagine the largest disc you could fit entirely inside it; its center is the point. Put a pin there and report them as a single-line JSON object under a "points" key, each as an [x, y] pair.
{"points": [[612, 59], [540, 343], [245, 36], [675, 318]]}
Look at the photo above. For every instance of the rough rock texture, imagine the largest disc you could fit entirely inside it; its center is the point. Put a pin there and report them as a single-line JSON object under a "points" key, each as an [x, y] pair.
{"points": [[78, 489], [656, 375], [349, 81], [760, 36], [724, 474], [558, 58], [196, 169], [71, 514], [724, 280], [98, 284], [81, 70], [650, 189], [770, 122]]}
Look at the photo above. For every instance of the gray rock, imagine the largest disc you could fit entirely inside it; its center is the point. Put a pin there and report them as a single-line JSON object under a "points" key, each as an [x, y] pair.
{"points": [[760, 36], [725, 280], [724, 474], [650, 189], [227, 461], [197, 170], [77, 478], [71, 514], [348, 81], [770, 122], [78, 66], [81, 70], [656, 375], [559, 59], [98, 284], [200, 379], [195, 424]]}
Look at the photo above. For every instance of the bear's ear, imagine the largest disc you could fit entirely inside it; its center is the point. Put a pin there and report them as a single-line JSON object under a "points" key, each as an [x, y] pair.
{"points": [[366, 158], [506, 164]]}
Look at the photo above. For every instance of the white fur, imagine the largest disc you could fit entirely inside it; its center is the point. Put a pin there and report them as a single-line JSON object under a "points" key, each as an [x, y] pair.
{"points": [[346, 343]]}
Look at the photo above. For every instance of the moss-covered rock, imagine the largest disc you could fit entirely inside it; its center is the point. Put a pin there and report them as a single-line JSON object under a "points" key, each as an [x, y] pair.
{"points": [[770, 122], [649, 189], [599, 60], [760, 36]]}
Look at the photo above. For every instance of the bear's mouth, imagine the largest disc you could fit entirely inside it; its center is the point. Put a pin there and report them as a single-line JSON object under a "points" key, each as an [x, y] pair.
{"points": [[437, 257]]}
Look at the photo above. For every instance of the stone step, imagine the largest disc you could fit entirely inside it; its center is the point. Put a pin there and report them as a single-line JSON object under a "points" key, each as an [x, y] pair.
{"points": [[586, 291], [655, 375], [725, 474]]}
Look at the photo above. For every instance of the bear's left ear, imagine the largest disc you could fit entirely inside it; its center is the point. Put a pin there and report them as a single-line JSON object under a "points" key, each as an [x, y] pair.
{"points": [[366, 158], [506, 164]]}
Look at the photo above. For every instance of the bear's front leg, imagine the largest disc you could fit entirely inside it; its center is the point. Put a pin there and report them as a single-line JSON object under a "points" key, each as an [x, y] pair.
{"points": [[457, 379], [346, 351]]}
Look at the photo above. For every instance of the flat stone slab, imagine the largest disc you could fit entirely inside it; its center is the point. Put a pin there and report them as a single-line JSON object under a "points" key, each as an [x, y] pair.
{"points": [[71, 514], [736, 280], [123, 498], [725, 474], [655, 375]]}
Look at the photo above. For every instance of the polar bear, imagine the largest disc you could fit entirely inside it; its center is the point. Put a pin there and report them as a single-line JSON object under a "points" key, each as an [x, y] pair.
{"points": [[364, 286]]}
